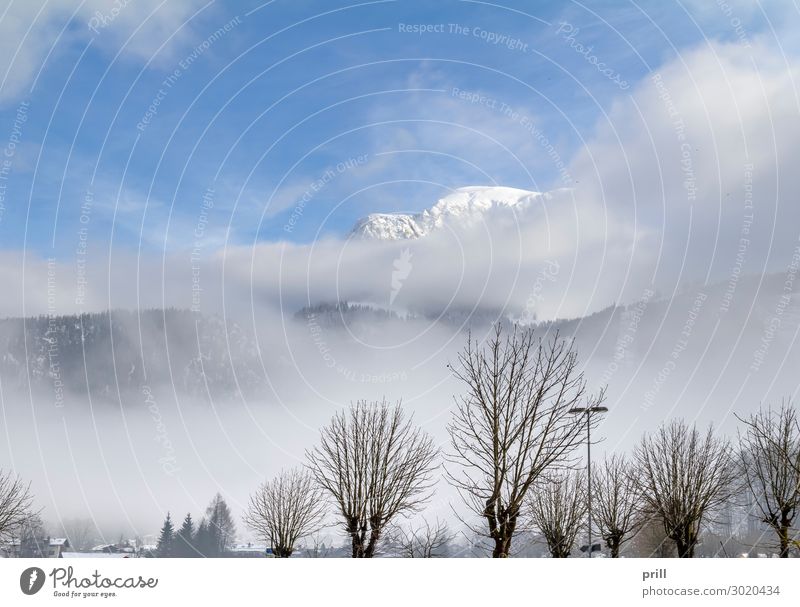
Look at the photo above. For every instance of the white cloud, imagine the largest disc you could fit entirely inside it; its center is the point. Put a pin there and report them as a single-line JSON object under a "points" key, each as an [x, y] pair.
{"points": [[661, 199], [693, 144], [661, 196], [30, 31]]}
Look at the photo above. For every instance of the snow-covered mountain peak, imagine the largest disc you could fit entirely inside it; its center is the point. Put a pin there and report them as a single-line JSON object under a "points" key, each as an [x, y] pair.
{"points": [[464, 206]]}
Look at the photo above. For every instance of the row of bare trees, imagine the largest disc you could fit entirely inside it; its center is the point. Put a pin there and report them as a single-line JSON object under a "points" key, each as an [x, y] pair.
{"points": [[373, 464], [513, 437], [679, 478], [512, 458]]}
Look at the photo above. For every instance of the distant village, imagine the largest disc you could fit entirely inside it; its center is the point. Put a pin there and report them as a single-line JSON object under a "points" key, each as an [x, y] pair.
{"points": [[735, 533]]}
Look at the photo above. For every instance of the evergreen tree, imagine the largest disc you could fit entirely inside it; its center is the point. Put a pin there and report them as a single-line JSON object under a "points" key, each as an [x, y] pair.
{"points": [[185, 539], [164, 548], [202, 539], [221, 528]]}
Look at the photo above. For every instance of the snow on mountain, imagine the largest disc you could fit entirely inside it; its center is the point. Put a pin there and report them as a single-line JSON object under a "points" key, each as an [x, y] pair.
{"points": [[464, 206]]}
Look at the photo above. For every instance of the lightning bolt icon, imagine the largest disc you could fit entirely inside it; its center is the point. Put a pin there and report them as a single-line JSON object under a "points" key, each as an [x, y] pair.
{"points": [[34, 575]]}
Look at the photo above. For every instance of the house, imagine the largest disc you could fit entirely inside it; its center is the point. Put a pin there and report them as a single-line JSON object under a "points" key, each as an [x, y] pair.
{"points": [[10, 550], [57, 546], [32, 547], [249, 550], [96, 555], [123, 548]]}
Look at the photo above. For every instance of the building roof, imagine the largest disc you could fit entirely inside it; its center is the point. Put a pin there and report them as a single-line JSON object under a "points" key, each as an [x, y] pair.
{"points": [[95, 555]]}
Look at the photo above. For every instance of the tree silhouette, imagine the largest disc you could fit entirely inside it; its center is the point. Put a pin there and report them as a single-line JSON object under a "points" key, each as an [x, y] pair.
{"points": [[513, 423], [769, 458], [164, 547], [376, 465], [16, 502], [220, 526], [684, 476], [184, 539], [558, 506], [285, 509], [617, 502]]}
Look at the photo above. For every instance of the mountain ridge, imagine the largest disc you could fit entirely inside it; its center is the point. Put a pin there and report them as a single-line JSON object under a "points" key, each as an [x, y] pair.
{"points": [[463, 206], [108, 353]]}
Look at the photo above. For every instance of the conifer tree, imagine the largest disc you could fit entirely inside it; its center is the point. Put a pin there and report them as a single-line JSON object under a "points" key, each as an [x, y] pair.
{"points": [[185, 538], [202, 540], [165, 545]]}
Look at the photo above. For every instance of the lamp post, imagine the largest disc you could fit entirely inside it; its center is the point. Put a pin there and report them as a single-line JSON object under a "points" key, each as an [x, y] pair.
{"points": [[588, 412]]}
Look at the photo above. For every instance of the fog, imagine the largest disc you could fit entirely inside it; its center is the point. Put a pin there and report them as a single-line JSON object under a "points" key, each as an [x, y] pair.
{"points": [[126, 456]]}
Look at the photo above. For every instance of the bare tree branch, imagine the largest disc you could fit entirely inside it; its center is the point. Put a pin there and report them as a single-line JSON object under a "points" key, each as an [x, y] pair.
{"points": [[285, 509], [769, 458], [375, 464], [16, 503], [315, 547], [617, 502], [558, 508], [513, 423], [427, 540], [684, 476], [80, 532]]}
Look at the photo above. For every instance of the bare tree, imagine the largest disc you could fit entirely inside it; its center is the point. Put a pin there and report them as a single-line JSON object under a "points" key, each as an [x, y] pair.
{"points": [[769, 458], [16, 503], [684, 476], [315, 547], [617, 502], [29, 538], [513, 423], [375, 464], [221, 529], [80, 532], [426, 540], [558, 507], [285, 509]]}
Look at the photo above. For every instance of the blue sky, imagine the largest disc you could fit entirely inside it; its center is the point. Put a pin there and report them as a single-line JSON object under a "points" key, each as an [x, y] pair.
{"points": [[271, 105]]}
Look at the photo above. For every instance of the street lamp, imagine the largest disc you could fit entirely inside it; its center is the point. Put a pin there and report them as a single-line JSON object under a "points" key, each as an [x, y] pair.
{"points": [[588, 411]]}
